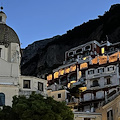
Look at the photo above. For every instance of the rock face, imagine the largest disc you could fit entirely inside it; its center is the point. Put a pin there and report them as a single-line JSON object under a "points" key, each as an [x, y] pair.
{"points": [[43, 56]]}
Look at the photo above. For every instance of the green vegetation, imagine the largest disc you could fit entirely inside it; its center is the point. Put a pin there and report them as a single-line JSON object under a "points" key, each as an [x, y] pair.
{"points": [[36, 108]]}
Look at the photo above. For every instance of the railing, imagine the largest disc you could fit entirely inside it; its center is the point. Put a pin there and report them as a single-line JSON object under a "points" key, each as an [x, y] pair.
{"points": [[28, 93], [108, 83], [96, 85], [112, 97], [72, 101], [107, 100]]}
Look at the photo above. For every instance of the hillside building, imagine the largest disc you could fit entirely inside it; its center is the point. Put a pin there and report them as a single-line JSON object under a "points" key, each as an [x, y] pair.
{"points": [[94, 69], [11, 81]]}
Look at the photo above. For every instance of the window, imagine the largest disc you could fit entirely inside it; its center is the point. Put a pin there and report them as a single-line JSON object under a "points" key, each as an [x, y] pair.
{"points": [[78, 51], [101, 70], [0, 18], [71, 53], [108, 80], [111, 49], [90, 72], [110, 115], [111, 68], [87, 47], [26, 84], [103, 50], [86, 118], [2, 99], [40, 86], [59, 95], [95, 83], [0, 52]]}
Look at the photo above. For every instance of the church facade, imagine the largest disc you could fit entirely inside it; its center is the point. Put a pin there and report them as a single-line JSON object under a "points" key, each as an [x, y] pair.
{"points": [[11, 81]]}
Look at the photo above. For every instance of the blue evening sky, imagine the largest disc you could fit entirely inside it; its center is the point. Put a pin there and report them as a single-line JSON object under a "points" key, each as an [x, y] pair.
{"points": [[39, 19]]}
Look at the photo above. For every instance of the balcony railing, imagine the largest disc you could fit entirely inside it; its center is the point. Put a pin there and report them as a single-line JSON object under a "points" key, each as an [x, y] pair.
{"points": [[28, 93], [107, 83], [107, 100], [96, 85]]}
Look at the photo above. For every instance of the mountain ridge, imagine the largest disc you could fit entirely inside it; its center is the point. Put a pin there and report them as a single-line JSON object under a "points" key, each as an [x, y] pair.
{"points": [[43, 56]]}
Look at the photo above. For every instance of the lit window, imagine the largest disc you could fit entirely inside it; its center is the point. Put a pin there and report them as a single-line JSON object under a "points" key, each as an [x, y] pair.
{"points": [[67, 70], [113, 57], [49, 77], [26, 84], [95, 60], [103, 50], [84, 58], [40, 86], [83, 65], [2, 99], [102, 59], [61, 72], [73, 68], [59, 95], [56, 74]]}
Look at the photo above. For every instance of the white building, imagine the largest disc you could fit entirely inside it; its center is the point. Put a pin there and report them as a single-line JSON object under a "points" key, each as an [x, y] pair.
{"points": [[11, 81]]}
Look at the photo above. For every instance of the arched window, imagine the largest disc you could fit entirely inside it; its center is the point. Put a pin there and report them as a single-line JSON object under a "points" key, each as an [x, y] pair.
{"points": [[95, 83], [2, 99]]}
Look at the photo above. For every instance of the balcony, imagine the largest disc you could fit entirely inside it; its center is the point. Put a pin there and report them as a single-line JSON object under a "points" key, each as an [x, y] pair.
{"points": [[95, 85], [28, 93], [107, 83]]}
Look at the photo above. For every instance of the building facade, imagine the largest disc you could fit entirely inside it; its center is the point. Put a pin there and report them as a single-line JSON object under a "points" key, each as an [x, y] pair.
{"points": [[11, 81], [110, 109], [94, 69]]}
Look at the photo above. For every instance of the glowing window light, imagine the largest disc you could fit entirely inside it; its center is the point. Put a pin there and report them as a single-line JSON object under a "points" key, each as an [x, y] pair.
{"points": [[113, 57], [79, 75], [67, 70], [73, 82], [103, 50], [73, 68], [83, 65], [102, 59], [95, 60], [119, 55], [83, 88], [56, 74], [61, 72], [68, 85], [84, 58], [49, 77]]}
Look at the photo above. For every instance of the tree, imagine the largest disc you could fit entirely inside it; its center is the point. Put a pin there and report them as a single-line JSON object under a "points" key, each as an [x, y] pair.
{"points": [[36, 108]]}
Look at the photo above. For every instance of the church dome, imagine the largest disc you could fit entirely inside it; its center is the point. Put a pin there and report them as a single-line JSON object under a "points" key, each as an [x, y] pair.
{"points": [[7, 35]]}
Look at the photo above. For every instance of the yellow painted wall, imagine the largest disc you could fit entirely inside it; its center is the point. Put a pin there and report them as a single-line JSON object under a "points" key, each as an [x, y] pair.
{"points": [[114, 105]]}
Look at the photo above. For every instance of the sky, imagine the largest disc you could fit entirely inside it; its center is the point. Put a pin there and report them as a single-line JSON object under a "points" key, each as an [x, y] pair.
{"points": [[35, 20]]}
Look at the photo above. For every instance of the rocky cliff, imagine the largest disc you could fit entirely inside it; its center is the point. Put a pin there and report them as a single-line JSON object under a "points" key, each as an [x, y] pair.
{"points": [[44, 55]]}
